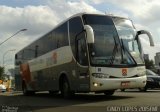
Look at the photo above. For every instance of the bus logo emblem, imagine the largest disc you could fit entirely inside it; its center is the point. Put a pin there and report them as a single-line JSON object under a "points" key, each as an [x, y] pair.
{"points": [[124, 72], [54, 57]]}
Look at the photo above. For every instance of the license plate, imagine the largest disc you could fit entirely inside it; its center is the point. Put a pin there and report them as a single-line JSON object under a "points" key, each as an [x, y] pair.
{"points": [[125, 84]]}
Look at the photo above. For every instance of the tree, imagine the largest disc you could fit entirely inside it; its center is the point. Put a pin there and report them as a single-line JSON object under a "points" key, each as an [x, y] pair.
{"points": [[149, 64], [1, 72]]}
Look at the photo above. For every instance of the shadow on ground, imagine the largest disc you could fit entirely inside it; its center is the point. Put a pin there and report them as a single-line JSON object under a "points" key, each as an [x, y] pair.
{"points": [[138, 91], [45, 100]]}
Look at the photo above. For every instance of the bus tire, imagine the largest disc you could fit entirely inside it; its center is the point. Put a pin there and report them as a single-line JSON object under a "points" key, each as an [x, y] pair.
{"points": [[65, 88], [122, 90], [109, 92], [25, 91], [53, 92], [144, 89]]}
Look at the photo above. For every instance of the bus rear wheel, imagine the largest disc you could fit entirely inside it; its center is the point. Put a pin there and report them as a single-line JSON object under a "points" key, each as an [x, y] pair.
{"points": [[25, 91], [122, 90], [109, 92], [53, 92]]}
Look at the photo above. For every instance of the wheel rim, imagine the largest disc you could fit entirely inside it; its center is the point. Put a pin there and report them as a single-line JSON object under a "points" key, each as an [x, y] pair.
{"points": [[65, 89]]}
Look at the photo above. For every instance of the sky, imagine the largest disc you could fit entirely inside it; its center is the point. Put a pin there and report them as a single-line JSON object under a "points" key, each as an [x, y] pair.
{"points": [[41, 16]]}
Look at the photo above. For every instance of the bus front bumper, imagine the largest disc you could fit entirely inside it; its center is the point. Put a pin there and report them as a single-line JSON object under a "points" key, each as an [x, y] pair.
{"points": [[102, 84]]}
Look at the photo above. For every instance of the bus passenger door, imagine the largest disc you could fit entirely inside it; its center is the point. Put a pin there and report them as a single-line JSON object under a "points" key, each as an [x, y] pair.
{"points": [[82, 69]]}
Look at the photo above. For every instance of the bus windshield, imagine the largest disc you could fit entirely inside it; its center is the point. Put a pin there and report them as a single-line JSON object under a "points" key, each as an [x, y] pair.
{"points": [[127, 35], [114, 41]]}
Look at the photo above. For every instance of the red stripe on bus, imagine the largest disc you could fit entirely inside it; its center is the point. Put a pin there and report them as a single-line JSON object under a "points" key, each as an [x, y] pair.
{"points": [[25, 72]]}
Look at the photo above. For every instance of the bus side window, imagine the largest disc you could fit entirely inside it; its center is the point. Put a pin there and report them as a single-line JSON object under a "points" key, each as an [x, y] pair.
{"points": [[62, 35], [36, 51], [82, 50], [75, 27]]}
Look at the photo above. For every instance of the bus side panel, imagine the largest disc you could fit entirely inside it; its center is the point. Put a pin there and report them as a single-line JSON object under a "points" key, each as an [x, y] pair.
{"points": [[25, 72], [48, 78], [47, 69], [26, 75]]}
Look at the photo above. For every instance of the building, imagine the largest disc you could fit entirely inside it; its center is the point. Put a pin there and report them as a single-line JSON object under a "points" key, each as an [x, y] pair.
{"points": [[157, 59], [146, 56], [157, 62], [9, 80]]}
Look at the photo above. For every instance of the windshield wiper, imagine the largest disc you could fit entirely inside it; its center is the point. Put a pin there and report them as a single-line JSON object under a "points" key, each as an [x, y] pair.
{"points": [[114, 53], [125, 49], [115, 49]]}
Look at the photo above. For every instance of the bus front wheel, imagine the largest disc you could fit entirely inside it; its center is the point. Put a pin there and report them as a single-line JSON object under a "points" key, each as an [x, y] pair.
{"points": [[144, 89], [65, 89]]}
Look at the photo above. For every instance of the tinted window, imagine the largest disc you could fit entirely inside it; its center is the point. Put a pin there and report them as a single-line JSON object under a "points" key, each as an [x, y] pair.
{"points": [[82, 50], [62, 35], [75, 27], [40, 47], [28, 54], [54, 39], [105, 49], [100, 20]]}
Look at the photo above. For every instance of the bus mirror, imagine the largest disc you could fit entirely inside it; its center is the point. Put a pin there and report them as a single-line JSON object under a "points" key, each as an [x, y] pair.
{"points": [[90, 33], [149, 35]]}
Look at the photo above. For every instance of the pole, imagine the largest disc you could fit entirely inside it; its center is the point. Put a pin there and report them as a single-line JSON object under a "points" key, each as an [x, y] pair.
{"points": [[12, 36]]}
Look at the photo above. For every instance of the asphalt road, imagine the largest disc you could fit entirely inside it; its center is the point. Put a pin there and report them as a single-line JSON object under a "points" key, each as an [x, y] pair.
{"points": [[128, 101]]}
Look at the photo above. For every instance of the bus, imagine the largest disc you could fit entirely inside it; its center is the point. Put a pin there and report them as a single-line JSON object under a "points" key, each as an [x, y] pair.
{"points": [[86, 53]]}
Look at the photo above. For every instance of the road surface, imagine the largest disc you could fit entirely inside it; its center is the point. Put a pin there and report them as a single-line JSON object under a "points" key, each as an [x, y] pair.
{"points": [[128, 101]]}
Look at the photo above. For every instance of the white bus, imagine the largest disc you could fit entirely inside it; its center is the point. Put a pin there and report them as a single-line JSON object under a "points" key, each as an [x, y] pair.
{"points": [[85, 53]]}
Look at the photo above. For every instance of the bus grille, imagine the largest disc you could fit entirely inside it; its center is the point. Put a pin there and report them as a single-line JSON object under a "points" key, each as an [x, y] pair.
{"points": [[124, 77]]}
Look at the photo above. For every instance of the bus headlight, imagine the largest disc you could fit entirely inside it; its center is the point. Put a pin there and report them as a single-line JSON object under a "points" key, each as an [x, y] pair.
{"points": [[100, 75]]}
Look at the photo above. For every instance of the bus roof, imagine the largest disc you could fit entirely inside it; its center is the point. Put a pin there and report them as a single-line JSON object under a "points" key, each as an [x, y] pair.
{"points": [[75, 15]]}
